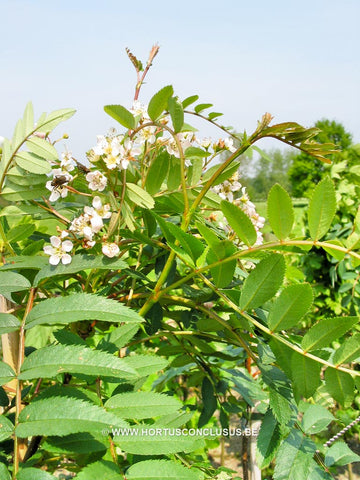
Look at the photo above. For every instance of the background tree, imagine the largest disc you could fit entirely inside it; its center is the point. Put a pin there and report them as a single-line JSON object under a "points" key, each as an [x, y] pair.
{"points": [[304, 172], [264, 171]]}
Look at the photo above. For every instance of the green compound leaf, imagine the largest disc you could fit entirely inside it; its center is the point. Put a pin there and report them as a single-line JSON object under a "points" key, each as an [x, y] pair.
{"points": [[28, 119], [76, 359], [322, 209], [268, 441], [283, 355], [340, 454], [118, 338], [32, 163], [176, 113], [239, 222], [223, 273], [8, 323], [4, 472], [208, 235], [139, 196], [202, 106], [209, 402], [11, 282], [146, 365], [121, 115], [196, 152], [280, 212], [333, 251], [64, 416], [189, 100], [326, 331], [76, 443], [34, 474], [42, 148], [155, 441], [20, 232], [157, 173], [229, 170], [159, 102], [263, 282], [161, 470], [48, 122], [21, 177], [6, 428], [294, 458], [316, 419], [348, 351], [190, 244], [305, 375], [25, 262], [340, 385], [280, 405], [140, 405], [6, 373], [78, 263], [80, 306], [102, 469], [290, 306]]}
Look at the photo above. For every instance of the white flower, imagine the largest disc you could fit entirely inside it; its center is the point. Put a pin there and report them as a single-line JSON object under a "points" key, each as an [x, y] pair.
{"points": [[57, 184], [101, 145], [245, 200], [110, 250], [225, 190], [58, 250], [102, 210], [97, 181], [229, 144], [146, 134], [1, 141], [115, 151], [139, 108], [205, 142], [56, 192], [81, 226], [96, 213], [67, 163], [186, 139]]}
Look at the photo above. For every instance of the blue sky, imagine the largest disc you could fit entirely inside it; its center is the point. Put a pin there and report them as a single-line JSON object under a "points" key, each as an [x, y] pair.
{"points": [[297, 60]]}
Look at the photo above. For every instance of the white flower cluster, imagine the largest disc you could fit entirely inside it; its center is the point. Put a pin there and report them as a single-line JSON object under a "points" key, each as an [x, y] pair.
{"points": [[84, 227], [115, 151], [226, 191], [187, 139], [90, 222]]}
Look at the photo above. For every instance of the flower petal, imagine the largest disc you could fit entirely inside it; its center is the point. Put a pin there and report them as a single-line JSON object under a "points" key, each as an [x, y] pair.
{"points": [[66, 259], [97, 203], [67, 246], [54, 260], [55, 241]]}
